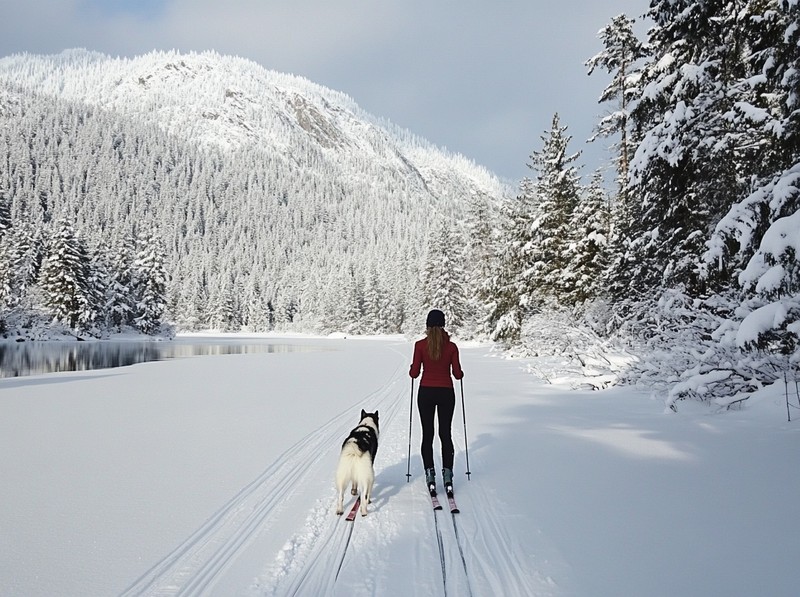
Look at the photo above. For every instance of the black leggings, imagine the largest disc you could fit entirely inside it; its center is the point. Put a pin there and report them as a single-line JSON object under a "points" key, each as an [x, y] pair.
{"points": [[429, 400]]}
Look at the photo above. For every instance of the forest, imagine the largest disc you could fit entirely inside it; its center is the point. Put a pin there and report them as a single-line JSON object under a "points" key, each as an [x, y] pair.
{"points": [[271, 203]]}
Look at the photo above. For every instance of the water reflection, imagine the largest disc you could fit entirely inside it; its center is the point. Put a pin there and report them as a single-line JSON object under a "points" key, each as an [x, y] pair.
{"points": [[34, 358]]}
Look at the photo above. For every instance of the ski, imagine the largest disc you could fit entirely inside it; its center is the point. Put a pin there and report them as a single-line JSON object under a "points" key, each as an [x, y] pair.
{"points": [[435, 502], [451, 500], [351, 516]]}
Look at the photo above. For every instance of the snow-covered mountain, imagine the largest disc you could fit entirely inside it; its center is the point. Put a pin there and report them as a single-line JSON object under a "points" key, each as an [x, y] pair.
{"points": [[233, 103], [273, 194]]}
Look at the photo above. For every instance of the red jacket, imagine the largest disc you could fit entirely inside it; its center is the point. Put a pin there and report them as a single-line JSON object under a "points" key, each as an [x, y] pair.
{"points": [[436, 374]]}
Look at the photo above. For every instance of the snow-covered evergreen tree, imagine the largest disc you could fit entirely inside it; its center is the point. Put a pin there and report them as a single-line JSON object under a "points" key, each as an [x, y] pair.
{"points": [[100, 280], [766, 118], [478, 231], [717, 173], [374, 302], [5, 214], [621, 58], [444, 275], [7, 295], [149, 283], [588, 253], [691, 164], [27, 253], [507, 292], [546, 276], [120, 298], [65, 280]]}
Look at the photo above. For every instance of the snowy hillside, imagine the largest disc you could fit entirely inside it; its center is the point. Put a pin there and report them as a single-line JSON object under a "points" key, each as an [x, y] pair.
{"points": [[280, 203], [233, 103]]}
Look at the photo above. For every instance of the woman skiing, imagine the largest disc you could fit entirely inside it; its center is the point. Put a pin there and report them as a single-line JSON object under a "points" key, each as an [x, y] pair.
{"points": [[436, 356]]}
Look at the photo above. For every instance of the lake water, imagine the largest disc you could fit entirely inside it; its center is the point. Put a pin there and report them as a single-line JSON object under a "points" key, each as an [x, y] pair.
{"points": [[33, 358]]}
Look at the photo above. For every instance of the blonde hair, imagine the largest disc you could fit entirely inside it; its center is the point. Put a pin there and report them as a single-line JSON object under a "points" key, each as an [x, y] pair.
{"points": [[437, 338]]}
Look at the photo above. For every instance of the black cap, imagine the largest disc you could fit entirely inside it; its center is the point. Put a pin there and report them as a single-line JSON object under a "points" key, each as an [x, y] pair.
{"points": [[435, 319]]}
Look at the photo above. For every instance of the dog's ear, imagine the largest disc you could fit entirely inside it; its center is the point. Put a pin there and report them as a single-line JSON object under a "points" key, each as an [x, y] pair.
{"points": [[363, 413]]}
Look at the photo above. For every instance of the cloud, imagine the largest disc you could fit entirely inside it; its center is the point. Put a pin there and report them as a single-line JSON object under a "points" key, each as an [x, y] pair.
{"points": [[142, 9]]}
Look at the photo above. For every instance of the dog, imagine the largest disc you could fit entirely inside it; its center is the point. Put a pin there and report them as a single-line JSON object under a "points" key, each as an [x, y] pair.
{"points": [[356, 461]]}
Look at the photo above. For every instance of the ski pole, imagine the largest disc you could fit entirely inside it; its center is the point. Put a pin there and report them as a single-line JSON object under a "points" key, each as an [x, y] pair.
{"points": [[410, 413], [464, 414]]}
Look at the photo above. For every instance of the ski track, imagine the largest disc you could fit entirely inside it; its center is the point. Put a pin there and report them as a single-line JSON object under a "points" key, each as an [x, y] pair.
{"points": [[476, 554], [491, 559], [193, 567], [312, 560], [460, 546], [440, 545]]}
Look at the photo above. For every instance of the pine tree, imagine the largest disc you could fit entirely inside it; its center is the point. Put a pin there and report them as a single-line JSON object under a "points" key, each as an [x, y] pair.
{"points": [[120, 299], [444, 275], [479, 251], [149, 283], [26, 254], [65, 280], [621, 57], [588, 254], [5, 214], [373, 303], [350, 309], [507, 291], [767, 118], [688, 167], [224, 315], [7, 296], [100, 281], [557, 192]]}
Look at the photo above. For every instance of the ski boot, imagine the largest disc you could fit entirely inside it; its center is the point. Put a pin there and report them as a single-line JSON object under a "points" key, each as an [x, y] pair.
{"points": [[430, 480], [447, 473]]}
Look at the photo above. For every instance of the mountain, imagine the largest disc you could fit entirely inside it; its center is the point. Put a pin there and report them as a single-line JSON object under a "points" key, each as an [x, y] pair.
{"points": [[279, 201]]}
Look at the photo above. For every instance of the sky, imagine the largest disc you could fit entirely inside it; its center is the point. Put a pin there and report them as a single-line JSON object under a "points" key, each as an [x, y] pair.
{"points": [[481, 78]]}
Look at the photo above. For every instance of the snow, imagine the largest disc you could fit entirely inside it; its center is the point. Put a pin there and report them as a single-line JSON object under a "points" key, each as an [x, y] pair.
{"points": [[769, 317], [781, 237], [214, 476]]}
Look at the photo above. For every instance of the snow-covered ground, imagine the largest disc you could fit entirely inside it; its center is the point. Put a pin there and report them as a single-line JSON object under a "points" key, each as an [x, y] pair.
{"points": [[214, 476]]}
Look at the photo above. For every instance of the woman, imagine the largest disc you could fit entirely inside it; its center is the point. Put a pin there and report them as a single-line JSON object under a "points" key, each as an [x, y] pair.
{"points": [[436, 356]]}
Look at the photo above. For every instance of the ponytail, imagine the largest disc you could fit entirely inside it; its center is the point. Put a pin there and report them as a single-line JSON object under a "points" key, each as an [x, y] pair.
{"points": [[437, 338]]}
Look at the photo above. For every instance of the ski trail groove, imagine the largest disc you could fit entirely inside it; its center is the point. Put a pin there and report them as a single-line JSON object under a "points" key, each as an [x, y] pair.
{"points": [[461, 553], [451, 552], [344, 550], [195, 562], [193, 566], [321, 561], [504, 572], [441, 552], [308, 581]]}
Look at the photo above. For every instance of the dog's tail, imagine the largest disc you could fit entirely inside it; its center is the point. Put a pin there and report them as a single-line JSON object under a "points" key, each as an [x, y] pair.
{"points": [[351, 449], [354, 465]]}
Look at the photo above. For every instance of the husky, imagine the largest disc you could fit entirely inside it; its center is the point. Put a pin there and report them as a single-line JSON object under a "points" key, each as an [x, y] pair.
{"points": [[356, 461]]}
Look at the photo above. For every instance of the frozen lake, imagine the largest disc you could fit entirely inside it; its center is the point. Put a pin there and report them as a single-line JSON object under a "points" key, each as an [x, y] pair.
{"points": [[18, 359]]}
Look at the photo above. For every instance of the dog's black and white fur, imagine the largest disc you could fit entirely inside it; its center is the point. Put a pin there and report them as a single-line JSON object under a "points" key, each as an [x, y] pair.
{"points": [[356, 461]]}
